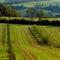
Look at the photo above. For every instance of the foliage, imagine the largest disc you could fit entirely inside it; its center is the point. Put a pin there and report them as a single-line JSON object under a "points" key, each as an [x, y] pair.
{"points": [[7, 11], [30, 12], [40, 14]]}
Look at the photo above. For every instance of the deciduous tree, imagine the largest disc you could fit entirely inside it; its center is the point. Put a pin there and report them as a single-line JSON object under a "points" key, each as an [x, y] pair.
{"points": [[30, 12], [40, 14]]}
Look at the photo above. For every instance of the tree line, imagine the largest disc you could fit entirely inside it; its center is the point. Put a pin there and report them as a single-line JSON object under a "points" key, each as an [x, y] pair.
{"points": [[31, 11], [26, 22], [9, 12]]}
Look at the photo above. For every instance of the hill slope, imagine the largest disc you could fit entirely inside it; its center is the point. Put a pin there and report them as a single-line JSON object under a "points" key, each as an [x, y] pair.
{"points": [[7, 11]]}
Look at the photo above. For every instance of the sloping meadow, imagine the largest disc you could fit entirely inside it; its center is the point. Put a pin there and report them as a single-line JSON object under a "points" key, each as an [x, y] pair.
{"points": [[30, 42]]}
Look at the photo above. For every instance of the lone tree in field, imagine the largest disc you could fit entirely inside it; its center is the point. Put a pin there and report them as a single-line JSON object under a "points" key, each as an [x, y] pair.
{"points": [[30, 12], [40, 14]]}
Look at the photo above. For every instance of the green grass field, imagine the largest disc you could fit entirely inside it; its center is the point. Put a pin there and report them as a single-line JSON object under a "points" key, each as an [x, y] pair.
{"points": [[51, 32], [24, 44]]}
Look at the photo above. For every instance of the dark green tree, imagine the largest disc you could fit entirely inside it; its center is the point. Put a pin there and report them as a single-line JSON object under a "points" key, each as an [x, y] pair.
{"points": [[30, 12], [40, 14]]}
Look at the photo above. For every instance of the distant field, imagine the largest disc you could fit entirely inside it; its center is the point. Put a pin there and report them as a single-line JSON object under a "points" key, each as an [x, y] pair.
{"points": [[32, 4], [35, 19], [25, 45]]}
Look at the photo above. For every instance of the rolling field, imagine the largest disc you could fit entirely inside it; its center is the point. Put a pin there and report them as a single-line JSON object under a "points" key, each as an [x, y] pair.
{"points": [[25, 45]]}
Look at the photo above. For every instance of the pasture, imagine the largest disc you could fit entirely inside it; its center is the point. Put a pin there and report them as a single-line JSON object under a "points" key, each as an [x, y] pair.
{"points": [[25, 45]]}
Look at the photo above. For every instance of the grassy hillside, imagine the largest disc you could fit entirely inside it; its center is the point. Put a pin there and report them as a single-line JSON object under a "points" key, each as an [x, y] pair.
{"points": [[7, 11], [50, 33], [25, 46], [32, 4], [47, 6]]}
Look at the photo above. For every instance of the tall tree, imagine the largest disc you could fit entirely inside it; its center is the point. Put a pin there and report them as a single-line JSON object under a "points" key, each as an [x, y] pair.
{"points": [[30, 12], [40, 14]]}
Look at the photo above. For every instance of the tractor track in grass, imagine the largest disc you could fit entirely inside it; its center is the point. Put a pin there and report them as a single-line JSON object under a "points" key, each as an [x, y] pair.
{"points": [[30, 39], [26, 52], [41, 47], [29, 54], [47, 50]]}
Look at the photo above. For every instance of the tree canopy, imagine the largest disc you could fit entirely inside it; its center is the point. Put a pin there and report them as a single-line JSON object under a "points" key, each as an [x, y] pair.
{"points": [[8, 11]]}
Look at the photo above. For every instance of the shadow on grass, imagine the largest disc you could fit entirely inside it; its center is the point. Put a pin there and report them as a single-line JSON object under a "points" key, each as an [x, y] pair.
{"points": [[25, 22]]}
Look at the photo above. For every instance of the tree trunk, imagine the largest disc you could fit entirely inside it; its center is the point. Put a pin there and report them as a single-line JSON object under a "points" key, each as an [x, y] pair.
{"points": [[39, 19]]}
